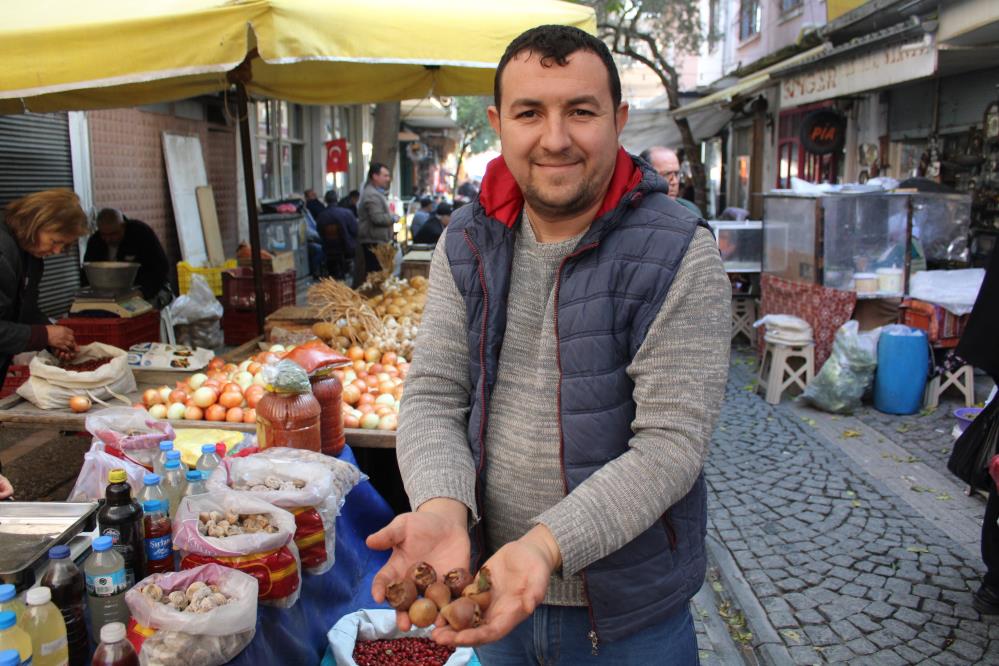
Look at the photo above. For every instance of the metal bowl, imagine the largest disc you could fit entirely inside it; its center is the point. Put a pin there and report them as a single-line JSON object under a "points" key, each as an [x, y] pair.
{"points": [[111, 275]]}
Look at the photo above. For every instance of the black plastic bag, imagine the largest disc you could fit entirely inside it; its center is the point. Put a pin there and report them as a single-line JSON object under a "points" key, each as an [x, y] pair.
{"points": [[969, 461]]}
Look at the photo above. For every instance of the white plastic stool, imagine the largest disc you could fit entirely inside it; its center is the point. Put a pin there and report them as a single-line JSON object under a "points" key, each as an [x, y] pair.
{"points": [[777, 373], [743, 316], [963, 379]]}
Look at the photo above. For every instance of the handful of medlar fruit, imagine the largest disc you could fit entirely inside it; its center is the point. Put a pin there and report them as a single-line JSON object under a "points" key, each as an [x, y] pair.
{"points": [[459, 598]]}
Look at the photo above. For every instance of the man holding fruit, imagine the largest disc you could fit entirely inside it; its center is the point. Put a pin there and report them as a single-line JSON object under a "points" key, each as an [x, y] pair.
{"points": [[571, 361]]}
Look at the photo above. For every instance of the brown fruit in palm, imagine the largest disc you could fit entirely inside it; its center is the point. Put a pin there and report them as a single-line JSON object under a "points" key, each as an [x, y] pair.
{"points": [[462, 613], [401, 594]]}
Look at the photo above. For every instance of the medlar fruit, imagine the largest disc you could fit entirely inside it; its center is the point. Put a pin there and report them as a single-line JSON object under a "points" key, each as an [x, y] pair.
{"points": [[439, 594], [401, 594], [462, 613], [480, 591], [423, 612], [457, 580], [423, 575]]}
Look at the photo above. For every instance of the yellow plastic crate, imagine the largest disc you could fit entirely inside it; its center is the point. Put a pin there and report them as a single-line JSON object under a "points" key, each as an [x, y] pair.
{"points": [[212, 275]]}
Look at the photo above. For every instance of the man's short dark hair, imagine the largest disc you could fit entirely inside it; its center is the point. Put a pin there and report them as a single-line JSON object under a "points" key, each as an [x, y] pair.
{"points": [[109, 216], [425, 201], [330, 196], [443, 209], [553, 44], [375, 168]]}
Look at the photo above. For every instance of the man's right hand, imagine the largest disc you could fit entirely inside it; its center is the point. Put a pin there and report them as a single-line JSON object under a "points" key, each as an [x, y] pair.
{"points": [[436, 533], [61, 338]]}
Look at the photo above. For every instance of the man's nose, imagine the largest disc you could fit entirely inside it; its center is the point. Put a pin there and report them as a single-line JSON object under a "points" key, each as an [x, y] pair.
{"points": [[555, 136]]}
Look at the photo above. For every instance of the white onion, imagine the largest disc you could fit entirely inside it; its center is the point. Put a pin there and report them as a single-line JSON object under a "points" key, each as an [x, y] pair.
{"points": [[197, 380], [175, 412]]}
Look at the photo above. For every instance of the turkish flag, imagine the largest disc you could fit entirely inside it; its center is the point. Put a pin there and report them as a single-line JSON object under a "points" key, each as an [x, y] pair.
{"points": [[336, 156]]}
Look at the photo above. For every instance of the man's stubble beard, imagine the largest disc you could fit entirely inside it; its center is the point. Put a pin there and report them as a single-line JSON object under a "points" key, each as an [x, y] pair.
{"points": [[567, 205]]}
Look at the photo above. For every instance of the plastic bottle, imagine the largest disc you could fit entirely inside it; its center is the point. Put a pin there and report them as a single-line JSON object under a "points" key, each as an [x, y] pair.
{"points": [[151, 489], [114, 650], [12, 637], [209, 459], [121, 519], [160, 460], [175, 455], [195, 483], [45, 626], [157, 535], [10, 658], [69, 594], [106, 585], [9, 601]]}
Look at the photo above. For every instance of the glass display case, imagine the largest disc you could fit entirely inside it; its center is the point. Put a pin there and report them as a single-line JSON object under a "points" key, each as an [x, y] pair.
{"points": [[740, 243], [864, 242]]}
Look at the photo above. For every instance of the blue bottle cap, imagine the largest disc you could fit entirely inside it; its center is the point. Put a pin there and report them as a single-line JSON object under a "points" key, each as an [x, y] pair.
{"points": [[151, 479], [10, 658], [58, 552], [101, 544], [208, 448], [194, 475], [149, 506], [166, 446], [7, 592], [172, 464], [173, 455], [7, 619]]}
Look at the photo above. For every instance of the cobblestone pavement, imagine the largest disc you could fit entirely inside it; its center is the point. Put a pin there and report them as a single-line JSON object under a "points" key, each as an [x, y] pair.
{"points": [[838, 567]]}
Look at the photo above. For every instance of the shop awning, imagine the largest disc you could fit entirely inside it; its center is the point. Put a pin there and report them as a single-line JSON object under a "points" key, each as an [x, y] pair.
{"points": [[67, 54], [656, 127], [745, 86]]}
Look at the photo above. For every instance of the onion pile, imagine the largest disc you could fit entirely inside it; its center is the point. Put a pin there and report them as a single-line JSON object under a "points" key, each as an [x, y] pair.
{"points": [[372, 388]]}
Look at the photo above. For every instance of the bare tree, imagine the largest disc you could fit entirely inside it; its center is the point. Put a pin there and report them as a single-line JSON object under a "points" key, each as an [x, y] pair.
{"points": [[654, 32], [385, 133]]}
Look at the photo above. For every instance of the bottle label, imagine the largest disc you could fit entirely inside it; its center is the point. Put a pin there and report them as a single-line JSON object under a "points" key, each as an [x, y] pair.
{"points": [[107, 585], [159, 548], [45, 649]]}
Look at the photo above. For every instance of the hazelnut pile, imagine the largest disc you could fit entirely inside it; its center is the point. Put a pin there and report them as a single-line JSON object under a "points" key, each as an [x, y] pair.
{"points": [[271, 483], [197, 598], [218, 524], [460, 598]]}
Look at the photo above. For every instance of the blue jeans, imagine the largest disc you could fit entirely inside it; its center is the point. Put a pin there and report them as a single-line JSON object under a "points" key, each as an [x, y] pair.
{"points": [[558, 636]]}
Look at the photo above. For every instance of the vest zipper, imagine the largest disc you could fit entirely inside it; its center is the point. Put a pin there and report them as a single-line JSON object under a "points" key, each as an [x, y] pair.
{"points": [[480, 539], [594, 638]]}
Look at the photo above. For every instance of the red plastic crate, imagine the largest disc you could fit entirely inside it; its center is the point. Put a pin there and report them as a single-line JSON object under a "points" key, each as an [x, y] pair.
{"points": [[943, 328], [238, 292], [121, 332], [16, 375], [239, 326]]}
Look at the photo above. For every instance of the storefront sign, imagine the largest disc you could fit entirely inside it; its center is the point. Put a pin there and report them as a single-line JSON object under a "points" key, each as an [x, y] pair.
{"points": [[336, 156], [876, 69], [823, 131]]}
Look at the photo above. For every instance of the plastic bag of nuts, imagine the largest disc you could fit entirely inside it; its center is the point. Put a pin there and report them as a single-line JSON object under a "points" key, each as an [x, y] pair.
{"points": [[345, 475], [375, 624], [244, 533], [303, 488], [221, 624]]}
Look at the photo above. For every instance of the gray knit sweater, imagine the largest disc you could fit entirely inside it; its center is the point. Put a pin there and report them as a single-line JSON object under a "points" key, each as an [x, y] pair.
{"points": [[678, 390]]}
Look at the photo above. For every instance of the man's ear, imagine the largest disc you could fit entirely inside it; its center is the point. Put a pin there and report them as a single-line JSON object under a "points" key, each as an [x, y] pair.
{"points": [[494, 118], [621, 117]]}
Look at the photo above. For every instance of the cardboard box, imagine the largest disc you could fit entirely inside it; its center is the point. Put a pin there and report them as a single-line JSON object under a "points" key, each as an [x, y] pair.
{"points": [[282, 261]]}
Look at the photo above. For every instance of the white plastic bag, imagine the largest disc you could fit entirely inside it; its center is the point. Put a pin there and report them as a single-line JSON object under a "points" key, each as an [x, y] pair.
{"points": [[198, 303], [785, 328], [373, 624], [92, 482], [270, 557], [345, 475], [131, 432], [848, 373], [51, 387], [314, 506], [209, 638]]}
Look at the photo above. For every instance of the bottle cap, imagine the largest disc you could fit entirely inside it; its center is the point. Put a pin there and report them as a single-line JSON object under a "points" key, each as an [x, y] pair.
{"points": [[7, 592], [149, 506], [171, 464], [112, 632], [58, 552], [194, 475], [38, 596], [173, 455], [166, 446], [208, 448], [7, 619], [117, 476], [151, 479], [101, 544], [10, 658]]}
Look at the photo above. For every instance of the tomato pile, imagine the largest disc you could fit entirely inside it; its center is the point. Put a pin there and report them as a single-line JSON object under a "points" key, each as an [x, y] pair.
{"points": [[401, 652], [85, 366]]}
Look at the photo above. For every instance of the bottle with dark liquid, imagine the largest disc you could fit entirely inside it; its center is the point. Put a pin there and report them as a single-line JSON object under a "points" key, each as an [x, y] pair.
{"points": [[121, 519], [157, 536], [114, 650], [69, 591]]}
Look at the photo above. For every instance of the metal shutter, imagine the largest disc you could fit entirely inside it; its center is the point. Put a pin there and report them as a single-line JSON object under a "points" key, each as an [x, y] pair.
{"points": [[35, 155]]}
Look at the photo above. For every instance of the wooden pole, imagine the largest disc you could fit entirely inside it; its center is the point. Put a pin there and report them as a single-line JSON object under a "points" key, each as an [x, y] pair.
{"points": [[251, 202]]}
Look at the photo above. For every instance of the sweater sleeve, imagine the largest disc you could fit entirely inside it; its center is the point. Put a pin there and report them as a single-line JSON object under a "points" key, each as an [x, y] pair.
{"points": [[431, 447], [15, 337], [679, 374]]}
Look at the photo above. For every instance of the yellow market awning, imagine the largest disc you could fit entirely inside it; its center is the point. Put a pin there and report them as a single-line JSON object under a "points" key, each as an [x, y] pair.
{"points": [[68, 54]]}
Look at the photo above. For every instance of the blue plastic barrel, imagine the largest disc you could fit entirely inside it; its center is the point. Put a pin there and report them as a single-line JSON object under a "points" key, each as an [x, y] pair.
{"points": [[903, 365]]}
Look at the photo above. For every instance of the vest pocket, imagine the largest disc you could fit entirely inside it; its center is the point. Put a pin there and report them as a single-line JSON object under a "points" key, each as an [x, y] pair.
{"points": [[667, 523]]}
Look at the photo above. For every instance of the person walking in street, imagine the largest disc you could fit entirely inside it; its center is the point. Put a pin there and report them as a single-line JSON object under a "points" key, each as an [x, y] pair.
{"points": [[338, 229], [667, 164], [421, 216], [120, 238], [374, 220], [571, 361]]}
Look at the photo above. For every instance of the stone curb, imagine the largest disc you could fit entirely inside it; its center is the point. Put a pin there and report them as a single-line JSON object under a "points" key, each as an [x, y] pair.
{"points": [[725, 649], [767, 643]]}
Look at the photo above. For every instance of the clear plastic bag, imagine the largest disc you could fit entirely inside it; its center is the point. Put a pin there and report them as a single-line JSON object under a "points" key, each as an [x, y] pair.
{"points": [[92, 482], [374, 624], [130, 432], [208, 638], [848, 373], [315, 505], [345, 475], [197, 316]]}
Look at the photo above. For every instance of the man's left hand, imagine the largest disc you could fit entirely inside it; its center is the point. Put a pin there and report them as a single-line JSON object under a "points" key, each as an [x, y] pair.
{"points": [[6, 489], [519, 572]]}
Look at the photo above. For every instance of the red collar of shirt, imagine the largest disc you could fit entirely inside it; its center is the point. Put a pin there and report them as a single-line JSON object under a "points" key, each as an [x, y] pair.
{"points": [[502, 199]]}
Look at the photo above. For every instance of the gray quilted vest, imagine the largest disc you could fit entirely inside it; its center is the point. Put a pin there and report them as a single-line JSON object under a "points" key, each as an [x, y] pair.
{"points": [[608, 292]]}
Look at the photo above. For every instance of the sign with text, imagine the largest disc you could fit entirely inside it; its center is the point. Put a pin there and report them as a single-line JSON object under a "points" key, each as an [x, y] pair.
{"points": [[823, 131], [337, 159], [876, 69]]}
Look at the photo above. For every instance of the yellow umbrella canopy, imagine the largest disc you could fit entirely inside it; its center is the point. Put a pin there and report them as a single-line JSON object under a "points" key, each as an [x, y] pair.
{"points": [[67, 54]]}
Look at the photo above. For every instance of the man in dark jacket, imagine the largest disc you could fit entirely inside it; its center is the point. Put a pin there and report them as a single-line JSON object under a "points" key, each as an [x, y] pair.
{"points": [[434, 226], [338, 229], [119, 238], [582, 477]]}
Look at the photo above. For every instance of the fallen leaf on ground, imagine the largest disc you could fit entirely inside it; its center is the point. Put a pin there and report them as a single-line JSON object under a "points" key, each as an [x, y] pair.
{"points": [[847, 434], [791, 634], [917, 549]]}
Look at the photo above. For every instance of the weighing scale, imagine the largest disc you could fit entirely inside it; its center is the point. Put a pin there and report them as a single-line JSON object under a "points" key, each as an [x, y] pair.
{"points": [[103, 302]]}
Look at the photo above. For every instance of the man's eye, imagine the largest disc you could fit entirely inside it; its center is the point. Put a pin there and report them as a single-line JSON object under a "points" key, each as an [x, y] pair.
{"points": [[527, 114], [582, 112]]}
